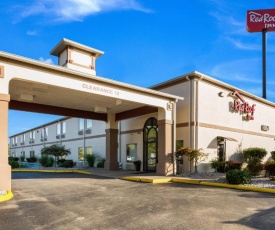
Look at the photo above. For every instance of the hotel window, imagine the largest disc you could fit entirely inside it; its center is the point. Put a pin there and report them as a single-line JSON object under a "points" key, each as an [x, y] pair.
{"points": [[85, 125], [12, 141], [131, 150], [16, 139], [80, 123], [32, 153], [60, 129], [44, 133], [32, 137], [23, 138], [81, 152]]}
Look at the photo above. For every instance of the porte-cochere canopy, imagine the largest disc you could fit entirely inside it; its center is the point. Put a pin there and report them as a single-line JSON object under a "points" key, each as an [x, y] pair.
{"points": [[70, 90]]}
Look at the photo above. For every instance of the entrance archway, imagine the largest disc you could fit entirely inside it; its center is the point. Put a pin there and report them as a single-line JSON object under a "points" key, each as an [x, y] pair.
{"points": [[150, 143]]}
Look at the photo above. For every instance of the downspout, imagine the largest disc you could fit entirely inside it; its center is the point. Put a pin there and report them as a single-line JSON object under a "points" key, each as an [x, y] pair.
{"points": [[174, 135], [190, 117], [197, 113], [119, 143]]}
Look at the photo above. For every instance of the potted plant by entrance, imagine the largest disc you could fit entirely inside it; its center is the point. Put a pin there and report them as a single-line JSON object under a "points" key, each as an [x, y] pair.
{"points": [[137, 164]]}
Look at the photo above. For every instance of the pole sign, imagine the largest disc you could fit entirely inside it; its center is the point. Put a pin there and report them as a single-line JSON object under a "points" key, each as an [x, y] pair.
{"points": [[259, 20]]}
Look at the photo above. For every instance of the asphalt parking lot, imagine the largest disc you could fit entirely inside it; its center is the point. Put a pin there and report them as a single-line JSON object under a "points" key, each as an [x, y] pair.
{"points": [[77, 201]]}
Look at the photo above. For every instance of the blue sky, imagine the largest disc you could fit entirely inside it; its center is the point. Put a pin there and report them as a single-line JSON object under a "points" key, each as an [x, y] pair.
{"points": [[145, 41]]}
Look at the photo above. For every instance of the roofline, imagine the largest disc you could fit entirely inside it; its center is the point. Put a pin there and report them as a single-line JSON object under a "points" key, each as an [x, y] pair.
{"points": [[66, 42], [41, 126], [88, 76], [203, 77]]}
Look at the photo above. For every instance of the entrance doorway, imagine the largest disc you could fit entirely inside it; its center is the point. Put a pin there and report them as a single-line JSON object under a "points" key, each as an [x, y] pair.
{"points": [[150, 143]]}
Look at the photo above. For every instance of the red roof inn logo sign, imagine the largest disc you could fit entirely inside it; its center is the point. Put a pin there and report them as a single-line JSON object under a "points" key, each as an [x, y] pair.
{"points": [[258, 20], [240, 105]]}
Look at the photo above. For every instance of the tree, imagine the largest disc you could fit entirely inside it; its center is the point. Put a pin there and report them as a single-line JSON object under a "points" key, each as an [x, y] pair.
{"points": [[196, 155], [55, 150]]}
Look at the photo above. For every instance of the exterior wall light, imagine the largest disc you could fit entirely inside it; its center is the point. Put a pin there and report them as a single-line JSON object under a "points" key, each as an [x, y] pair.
{"points": [[222, 94]]}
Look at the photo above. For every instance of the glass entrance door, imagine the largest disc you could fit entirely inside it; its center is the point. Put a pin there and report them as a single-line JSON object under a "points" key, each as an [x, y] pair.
{"points": [[150, 137]]}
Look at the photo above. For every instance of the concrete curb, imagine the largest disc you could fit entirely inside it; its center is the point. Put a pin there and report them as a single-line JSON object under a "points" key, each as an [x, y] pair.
{"points": [[6, 197], [198, 182], [52, 171]]}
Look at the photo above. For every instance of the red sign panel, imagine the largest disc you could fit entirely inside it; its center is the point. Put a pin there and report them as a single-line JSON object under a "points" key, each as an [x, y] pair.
{"points": [[258, 20], [240, 105]]}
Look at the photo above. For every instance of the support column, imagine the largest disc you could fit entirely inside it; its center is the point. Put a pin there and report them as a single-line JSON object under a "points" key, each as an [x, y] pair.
{"points": [[111, 162], [165, 165], [5, 169]]}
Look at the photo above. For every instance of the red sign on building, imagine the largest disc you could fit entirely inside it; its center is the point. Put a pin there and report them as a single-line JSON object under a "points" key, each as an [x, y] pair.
{"points": [[258, 20], [240, 105]]}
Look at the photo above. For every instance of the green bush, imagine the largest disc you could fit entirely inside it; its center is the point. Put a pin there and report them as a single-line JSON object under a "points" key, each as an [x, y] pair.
{"points": [[31, 159], [22, 158], [67, 164], [273, 155], [269, 168], [16, 159], [254, 155], [215, 164], [91, 158], [100, 164], [231, 165], [14, 164], [46, 161], [255, 168], [237, 176], [11, 158]]}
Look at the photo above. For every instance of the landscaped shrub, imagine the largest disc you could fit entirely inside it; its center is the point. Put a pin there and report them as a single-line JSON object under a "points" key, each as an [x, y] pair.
{"points": [[255, 168], [100, 163], [273, 155], [31, 159], [269, 167], [16, 159], [11, 158], [22, 158], [46, 161], [14, 164], [230, 165], [237, 176], [254, 155], [91, 159], [215, 164], [67, 164]]}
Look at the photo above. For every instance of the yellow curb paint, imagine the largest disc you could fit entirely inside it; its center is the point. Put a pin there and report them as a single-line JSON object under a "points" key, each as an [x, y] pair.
{"points": [[187, 181], [218, 184], [137, 179], [6, 197], [255, 189], [51, 171], [146, 180], [162, 180]]}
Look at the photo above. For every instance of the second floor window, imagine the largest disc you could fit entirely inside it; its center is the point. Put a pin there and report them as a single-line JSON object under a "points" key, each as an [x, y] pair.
{"points": [[84, 123], [23, 138], [61, 128], [44, 132], [32, 135]]}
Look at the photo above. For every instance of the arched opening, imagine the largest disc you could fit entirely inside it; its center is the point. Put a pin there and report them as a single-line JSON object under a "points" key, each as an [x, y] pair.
{"points": [[150, 143]]}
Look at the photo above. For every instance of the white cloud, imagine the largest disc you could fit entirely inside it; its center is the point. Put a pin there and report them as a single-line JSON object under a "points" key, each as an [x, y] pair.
{"points": [[32, 32], [242, 45], [76, 10], [48, 60], [245, 70]]}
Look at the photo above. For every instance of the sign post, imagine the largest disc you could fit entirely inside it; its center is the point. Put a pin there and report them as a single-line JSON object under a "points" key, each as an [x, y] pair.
{"points": [[261, 21]]}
